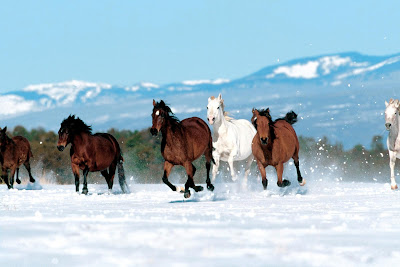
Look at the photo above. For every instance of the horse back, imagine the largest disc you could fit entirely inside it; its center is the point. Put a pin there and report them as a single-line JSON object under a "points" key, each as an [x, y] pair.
{"points": [[197, 134], [287, 137]]}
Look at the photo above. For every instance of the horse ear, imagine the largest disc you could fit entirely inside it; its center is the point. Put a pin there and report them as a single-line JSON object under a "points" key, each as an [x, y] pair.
{"points": [[386, 103], [268, 110], [5, 129], [255, 112], [154, 102], [219, 97], [209, 99]]}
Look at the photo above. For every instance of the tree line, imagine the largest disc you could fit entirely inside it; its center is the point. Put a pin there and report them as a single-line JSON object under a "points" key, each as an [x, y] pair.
{"points": [[143, 161]]}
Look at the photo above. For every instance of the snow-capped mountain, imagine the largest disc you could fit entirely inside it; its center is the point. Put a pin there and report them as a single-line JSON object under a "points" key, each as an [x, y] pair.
{"points": [[340, 96]]}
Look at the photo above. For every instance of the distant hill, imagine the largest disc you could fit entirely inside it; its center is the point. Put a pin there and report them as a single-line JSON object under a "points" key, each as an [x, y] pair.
{"points": [[340, 96]]}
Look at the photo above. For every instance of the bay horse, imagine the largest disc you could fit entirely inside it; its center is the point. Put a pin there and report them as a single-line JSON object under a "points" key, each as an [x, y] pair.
{"points": [[182, 143], [231, 138], [392, 123], [274, 144], [14, 152], [91, 153]]}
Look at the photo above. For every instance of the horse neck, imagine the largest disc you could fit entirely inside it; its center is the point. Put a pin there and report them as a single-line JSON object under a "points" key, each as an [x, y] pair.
{"points": [[221, 124], [79, 139], [166, 130], [394, 134]]}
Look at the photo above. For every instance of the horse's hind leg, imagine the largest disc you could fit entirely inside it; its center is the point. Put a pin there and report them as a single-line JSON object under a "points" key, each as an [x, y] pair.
{"points": [[85, 174], [392, 155], [28, 168], [4, 176], [167, 170], [190, 170], [279, 172], [209, 158], [106, 176], [17, 178], [263, 173], [300, 179], [111, 174]]}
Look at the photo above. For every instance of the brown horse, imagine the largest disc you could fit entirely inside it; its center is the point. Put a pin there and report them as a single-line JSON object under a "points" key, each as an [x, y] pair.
{"points": [[13, 153], [91, 153], [274, 144], [182, 143]]}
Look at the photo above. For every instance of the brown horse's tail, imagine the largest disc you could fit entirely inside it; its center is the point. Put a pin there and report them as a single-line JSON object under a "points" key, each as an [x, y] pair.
{"points": [[121, 175], [291, 117]]}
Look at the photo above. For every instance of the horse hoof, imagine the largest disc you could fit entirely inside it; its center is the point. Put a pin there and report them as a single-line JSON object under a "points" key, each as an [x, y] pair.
{"points": [[85, 191], [284, 183], [394, 187], [186, 194], [303, 182], [31, 180], [265, 184], [210, 187], [18, 181], [198, 188]]}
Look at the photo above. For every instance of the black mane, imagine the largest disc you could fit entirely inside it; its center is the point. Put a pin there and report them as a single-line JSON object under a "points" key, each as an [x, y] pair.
{"points": [[75, 125], [171, 116]]}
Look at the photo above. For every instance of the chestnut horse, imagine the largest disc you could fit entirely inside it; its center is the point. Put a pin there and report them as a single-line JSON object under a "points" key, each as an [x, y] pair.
{"points": [[91, 152], [13, 153], [274, 144], [182, 143]]}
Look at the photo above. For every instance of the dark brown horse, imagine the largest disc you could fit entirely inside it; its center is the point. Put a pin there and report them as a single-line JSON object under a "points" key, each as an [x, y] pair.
{"points": [[13, 153], [274, 144], [91, 152], [182, 143]]}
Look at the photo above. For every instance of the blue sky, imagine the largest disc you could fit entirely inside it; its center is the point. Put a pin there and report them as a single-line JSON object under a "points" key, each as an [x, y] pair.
{"points": [[126, 42]]}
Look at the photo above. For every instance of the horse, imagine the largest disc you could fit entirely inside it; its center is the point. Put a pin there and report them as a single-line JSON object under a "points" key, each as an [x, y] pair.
{"points": [[231, 138], [274, 144], [182, 143], [91, 153], [14, 152], [392, 123]]}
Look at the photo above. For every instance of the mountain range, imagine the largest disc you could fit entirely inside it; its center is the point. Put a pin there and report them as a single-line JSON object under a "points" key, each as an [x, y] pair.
{"points": [[340, 96]]}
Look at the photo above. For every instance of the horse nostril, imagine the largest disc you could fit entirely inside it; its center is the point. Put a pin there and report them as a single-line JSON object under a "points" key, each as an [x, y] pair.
{"points": [[264, 140], [388, 125]]}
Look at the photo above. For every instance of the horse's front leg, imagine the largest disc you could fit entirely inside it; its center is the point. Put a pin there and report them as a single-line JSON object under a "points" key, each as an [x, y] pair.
{"points": [[249, 160], [167, 170], [392, 155], [85, 174], [215, 166], [75, 171], [190, 170], [4, 176], [230, 162], [279, 172], [12, 175], [263, 173]]}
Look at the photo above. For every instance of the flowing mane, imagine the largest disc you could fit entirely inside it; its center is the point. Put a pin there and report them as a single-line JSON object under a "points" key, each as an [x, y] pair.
{"points": [[76, 125], [226, 114]]}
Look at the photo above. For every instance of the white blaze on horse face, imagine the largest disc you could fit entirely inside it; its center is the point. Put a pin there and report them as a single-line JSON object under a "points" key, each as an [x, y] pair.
{"points": [[157, 112], [390, 114], [213, 109]]}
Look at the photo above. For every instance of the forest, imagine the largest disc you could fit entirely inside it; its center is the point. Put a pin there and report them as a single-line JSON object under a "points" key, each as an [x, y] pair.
{"points": [[143, 162]]}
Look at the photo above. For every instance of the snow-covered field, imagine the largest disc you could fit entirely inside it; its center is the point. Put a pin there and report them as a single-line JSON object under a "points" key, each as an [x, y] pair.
{"points": [[321, 224]]}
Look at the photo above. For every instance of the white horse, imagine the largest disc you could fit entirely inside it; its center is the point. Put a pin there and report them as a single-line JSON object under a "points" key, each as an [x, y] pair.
{"points": [[231, 138], [392, 124]]}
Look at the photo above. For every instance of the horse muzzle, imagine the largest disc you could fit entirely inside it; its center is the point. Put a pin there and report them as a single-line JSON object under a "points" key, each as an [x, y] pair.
{"points": [[264, 141], [153, 131], [60, 148], [211, 120], [388, 125]]}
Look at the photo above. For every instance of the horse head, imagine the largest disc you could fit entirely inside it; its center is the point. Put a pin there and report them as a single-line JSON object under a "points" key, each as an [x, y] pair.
{"points": [[262, 122], [160, 112], [69, 127], [391, 113], [215, 109]]}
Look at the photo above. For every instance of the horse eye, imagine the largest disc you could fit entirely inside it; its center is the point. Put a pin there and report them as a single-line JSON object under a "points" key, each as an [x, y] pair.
{"points": [[217, 107]]}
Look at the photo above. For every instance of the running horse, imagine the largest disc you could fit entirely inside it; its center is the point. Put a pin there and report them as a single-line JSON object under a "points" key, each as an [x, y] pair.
{"points": [[274, 144], [392, 123], [182, 143], [14, 152], [91, 152]]}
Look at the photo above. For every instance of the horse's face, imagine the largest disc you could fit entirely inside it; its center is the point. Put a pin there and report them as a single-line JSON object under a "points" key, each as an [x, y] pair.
{"points": [[391, 113], [63, 138], [158, 117], [214, 109], [262, 125]]}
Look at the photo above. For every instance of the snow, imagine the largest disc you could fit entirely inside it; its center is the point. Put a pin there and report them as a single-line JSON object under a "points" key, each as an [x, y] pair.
{"points": [[321, 224], [197, 82], [306, 71]]}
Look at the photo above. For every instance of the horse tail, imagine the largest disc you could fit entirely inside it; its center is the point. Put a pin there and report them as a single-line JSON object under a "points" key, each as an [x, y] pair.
{"points": [[291, 117], [121, 174]]}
